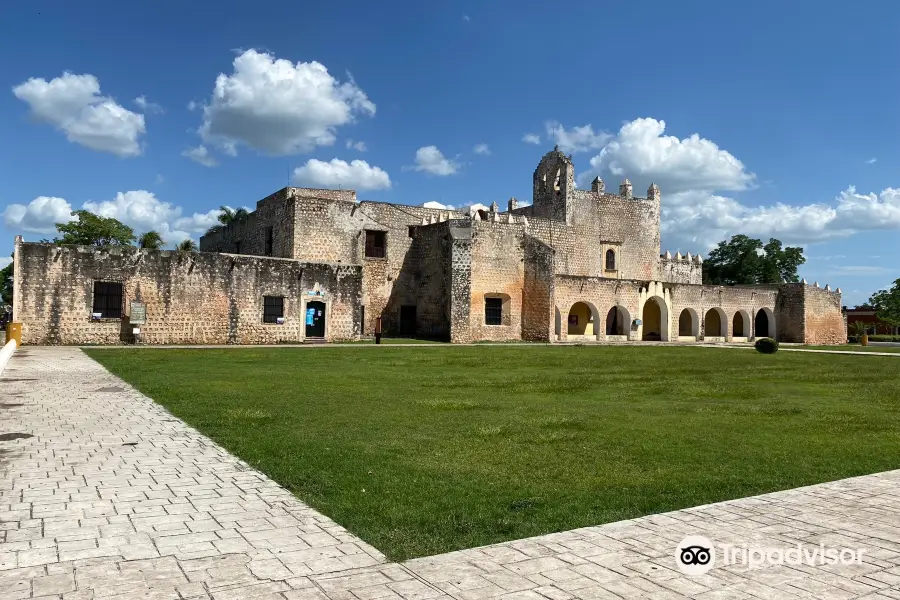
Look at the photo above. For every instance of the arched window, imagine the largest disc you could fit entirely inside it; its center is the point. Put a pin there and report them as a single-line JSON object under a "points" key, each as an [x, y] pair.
{"points": [[610, 260]]}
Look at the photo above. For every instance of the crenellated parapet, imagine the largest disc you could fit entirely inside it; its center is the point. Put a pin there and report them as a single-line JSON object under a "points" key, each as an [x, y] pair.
{"points": [[681, 269]]}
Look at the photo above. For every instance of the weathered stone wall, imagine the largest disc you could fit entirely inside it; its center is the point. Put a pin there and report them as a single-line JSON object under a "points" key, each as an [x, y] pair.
{"points": [[678, 269], [191, 298], [791, 313], [432, 253], [538, 291], [823, 321], [498, 272], [460, 280], [249, 235]]}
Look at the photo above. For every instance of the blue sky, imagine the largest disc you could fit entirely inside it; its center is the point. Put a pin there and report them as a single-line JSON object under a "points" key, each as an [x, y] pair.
{"points": [[770, 118]]}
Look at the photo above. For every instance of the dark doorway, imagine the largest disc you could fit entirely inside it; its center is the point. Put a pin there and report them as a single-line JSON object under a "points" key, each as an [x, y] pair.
{"points": [[761, 328], [408, 320], [315, 319]]}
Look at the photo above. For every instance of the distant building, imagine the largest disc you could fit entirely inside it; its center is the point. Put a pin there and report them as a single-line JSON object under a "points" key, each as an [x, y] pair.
{"points": [[867, 316], [575, 264]]}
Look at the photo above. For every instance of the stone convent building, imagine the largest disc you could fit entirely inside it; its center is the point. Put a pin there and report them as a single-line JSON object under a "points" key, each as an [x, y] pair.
{"points": [[319, 264]]}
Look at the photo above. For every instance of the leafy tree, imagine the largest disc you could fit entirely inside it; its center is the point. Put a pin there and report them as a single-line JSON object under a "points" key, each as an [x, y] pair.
{"points": [[744, 260], [187, 245], [6, 284], [93, 230], [150, 241], [227, 216], [887, 304]]}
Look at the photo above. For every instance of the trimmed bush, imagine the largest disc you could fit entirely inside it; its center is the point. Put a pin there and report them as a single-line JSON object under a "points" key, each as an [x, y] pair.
{"points": [[884, 338], [766, 346]]}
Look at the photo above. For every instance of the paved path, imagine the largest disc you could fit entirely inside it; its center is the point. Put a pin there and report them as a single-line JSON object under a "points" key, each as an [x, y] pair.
{"points": [[113, 498]]}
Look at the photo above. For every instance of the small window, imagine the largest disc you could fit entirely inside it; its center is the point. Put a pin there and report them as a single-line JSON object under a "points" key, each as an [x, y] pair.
{"points": [[237, 247], [273, 308], [362, 320], [610, 260], [412, 231], [108, 299], [493, 311], [375, 243], [270, 238]]}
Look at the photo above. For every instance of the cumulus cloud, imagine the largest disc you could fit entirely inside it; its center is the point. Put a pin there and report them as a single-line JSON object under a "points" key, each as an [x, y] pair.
{"points": [[531, 138], [871, 161], [701, 219], [201, 155], [38, 216], [641, 150], [357, 174], [577, 139], [147, 106], [430, 160], [357, 145], [279, 107], [138, 209], [481, 149], [73, 104]]}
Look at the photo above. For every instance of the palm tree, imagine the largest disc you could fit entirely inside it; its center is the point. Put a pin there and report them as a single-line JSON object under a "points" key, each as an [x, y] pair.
{"points": [[187, 245], [226, 217], [150, 241]]}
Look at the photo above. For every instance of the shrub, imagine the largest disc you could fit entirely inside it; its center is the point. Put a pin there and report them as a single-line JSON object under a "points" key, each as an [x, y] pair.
{"points": [[766, 346], [884, 338]]}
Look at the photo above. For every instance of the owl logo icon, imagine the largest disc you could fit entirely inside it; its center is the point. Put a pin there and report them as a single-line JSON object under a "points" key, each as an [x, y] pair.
{"points": [[695, 555]]}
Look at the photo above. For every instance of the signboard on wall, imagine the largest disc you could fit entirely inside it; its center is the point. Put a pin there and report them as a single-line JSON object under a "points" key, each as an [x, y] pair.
{"points": [[138, 313]]}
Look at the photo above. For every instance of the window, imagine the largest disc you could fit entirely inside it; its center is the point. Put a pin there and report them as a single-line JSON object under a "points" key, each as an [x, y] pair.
{"points": [[270, 237], [273, 308], [412, 231], [108, 299], [362, 320], [237, 247], [610, 260], [493, 311], [375, 243]]}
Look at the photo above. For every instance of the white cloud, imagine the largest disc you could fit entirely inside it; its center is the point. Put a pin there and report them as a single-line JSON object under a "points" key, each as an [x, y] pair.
{"points": [[430, 160], [577, 139], [531, 138], [701, 219], [466, 18], [147, 106], [38, 216], [73, 104], [192, 105], [871, 161], [279, 107], [201, 155], [438, 205], [481, 149], [861, 270], [640, 150], [357, 145], [4, 261], [357, 174]]}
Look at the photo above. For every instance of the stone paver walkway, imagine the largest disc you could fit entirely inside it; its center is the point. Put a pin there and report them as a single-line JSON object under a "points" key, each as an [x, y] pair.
{"points": [[113, 498]]}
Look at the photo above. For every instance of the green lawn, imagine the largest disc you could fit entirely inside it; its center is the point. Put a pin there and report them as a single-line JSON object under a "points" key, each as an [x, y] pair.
{"points": [[421, 451], [853, 347]]}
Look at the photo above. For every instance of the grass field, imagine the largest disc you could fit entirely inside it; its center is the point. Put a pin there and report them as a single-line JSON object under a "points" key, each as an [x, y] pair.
{"points": [[853, 348], [426, 450]]}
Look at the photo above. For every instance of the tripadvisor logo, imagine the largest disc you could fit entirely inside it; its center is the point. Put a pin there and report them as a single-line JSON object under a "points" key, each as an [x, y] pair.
{"points": [[696, 555]]}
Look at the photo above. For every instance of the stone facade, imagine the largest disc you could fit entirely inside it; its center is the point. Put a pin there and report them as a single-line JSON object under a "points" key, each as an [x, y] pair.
{"points": [[572, 265]]}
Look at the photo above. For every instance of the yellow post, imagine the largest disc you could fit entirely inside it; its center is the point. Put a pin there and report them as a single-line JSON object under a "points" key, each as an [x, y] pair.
{"points": [[14, 332]]}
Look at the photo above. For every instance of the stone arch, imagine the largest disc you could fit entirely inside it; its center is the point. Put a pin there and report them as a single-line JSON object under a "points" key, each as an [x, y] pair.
{"points": [[617, 322], [583, 320], [740, 324], [689, 323], [655, 320], [715, 323], [764, 323]]}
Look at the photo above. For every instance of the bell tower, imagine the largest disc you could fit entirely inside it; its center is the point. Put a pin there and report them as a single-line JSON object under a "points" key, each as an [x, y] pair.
{"points": [[554, 187]]}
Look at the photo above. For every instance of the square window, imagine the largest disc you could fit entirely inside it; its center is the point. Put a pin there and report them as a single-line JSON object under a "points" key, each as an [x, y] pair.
{"points": [[412, 231], [375, 244], [493, 311], [108, 299], [273, 308]]}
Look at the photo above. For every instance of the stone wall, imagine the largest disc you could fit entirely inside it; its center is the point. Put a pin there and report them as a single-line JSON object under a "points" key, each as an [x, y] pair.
{"points": [[823, 321], [538, 291], [432, 251], [497, 271], [274, 216], [191, 298]]}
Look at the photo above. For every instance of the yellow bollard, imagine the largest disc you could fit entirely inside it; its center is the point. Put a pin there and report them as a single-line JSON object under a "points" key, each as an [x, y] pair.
{"points": [[14, 332]]}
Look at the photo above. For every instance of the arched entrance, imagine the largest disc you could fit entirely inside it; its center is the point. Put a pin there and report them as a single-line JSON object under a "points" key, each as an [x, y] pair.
{"points": [[618, 321], [688, 324], [652, 321], [714, 324], [764, 324], [582, 320], [315, 319], [737, 325]]}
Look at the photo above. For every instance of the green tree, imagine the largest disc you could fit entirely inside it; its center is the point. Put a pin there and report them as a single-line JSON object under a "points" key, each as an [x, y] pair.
{"points": [[887, 304], [227, 216], [150, 241], [6, 284], [93, 230], [745, 260], [187, 245]]}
